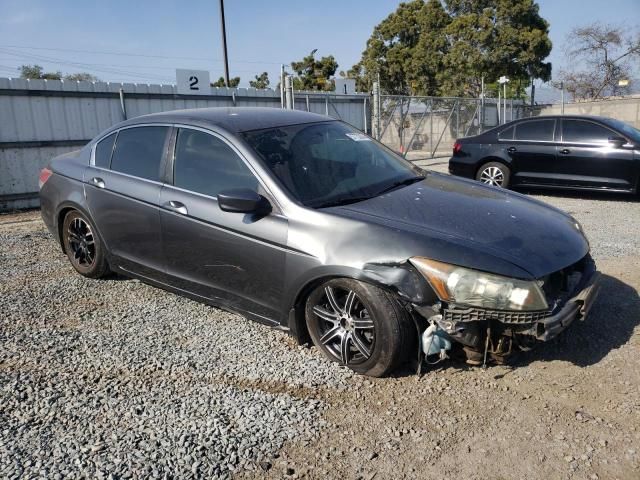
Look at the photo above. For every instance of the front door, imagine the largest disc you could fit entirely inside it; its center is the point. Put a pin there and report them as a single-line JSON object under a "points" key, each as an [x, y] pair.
{"points": [[237, 260], [123, 186], [590, 160]]}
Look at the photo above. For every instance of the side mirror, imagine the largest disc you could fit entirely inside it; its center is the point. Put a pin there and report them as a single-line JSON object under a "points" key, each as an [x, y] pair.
{"points": [[617, 142], [243, 200]]}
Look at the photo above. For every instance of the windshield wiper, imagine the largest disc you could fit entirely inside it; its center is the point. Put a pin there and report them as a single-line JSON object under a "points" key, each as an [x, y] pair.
{"points": [[406, 181], [343, 201]]}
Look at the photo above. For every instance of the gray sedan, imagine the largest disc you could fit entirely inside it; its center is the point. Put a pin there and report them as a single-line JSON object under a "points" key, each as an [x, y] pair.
{"points": [[304, 223]]}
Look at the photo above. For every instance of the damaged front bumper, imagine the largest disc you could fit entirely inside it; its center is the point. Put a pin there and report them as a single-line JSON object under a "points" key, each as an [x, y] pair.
{"points": [[498, 332], [577, 307]]}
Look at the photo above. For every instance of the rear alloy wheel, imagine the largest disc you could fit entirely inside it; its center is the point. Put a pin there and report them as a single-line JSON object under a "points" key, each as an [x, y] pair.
{"points": [[83, 246], [495, 174], [358, 325]]}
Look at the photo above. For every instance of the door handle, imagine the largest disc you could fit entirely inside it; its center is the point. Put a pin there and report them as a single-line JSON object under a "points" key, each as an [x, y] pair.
{"points": [[97, 182], [512, 149], [565, 151], [176, 206]]}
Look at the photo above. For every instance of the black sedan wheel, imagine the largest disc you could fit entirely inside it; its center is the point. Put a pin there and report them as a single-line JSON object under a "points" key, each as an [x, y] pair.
{"points": [[495, 174], [83, 246], [359, 325]]}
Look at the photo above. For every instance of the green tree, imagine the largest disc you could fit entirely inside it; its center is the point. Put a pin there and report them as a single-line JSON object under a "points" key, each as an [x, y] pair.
{"points": [[390, 51], [405, 53], [312, 74], [36, 72], [491, 38], [233, 82], [261, 81], [81, 77], [425, 48]]}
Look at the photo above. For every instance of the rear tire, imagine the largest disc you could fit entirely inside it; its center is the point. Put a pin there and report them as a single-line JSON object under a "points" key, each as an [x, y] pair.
{"points": [[360, 326], [83, 246], [495, 174]]}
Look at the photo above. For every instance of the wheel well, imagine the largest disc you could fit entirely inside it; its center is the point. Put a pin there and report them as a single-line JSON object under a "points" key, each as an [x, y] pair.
{"points": [[486, 160], [60, 223], [298, 314]]}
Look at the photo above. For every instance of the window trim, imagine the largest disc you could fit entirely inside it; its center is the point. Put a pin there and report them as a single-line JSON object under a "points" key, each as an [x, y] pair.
{"points": [[171, 158], [113, 147], [537, 119], [590, 144], [92, 160]]}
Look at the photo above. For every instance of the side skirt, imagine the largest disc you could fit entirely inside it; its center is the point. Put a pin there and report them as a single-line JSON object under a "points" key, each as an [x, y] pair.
{"points": [[218, 303]]}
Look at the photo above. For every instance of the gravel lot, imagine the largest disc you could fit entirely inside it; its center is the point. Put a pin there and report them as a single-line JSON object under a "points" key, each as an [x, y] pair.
{"points": [[116, 379]]}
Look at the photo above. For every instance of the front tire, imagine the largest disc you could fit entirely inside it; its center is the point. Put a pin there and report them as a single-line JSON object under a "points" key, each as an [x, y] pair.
{"points": [[495, 174], [360, 326], [83, 246]]}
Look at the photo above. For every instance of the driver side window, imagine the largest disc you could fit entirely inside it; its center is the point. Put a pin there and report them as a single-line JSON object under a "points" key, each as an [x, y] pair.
{"points": [[205, 164]]}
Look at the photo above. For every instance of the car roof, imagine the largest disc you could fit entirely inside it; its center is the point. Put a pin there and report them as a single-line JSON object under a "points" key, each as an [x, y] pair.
{"points": [[232, 119], [566, 116]]}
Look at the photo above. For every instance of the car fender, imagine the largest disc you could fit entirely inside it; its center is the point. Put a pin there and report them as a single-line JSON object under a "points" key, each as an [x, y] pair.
{"points": [[400, 279]]}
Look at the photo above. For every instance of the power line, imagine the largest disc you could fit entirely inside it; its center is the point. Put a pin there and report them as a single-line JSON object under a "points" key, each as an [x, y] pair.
{"points": [[166, 57], [83, 65]]}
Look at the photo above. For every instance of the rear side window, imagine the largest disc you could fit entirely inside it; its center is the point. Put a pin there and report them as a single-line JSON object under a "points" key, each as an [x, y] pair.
{"points": [[205, 164], [578, 131], [538, 130], [138, 152], [103, 151], [506, 134]]}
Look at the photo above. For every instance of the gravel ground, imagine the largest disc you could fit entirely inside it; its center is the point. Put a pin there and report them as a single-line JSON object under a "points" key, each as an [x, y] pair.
{"points": [[117, 379]]}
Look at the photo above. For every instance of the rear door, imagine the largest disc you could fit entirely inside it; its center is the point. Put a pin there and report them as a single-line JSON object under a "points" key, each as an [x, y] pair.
{"points": [[589, 160], [123, 186], [235, 259], [533, 151]]}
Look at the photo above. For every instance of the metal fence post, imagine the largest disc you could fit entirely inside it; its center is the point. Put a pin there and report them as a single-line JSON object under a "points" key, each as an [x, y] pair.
{"points": [[123, 106], [364, 114], [288, 92], [375, 121]]}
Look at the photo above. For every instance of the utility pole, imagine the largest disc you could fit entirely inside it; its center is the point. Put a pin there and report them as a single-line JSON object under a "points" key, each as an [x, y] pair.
{"points": [[224, 44]]}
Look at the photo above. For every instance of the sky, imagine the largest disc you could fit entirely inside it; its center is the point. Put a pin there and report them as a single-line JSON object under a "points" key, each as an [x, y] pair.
{"points": [[144, 41]]}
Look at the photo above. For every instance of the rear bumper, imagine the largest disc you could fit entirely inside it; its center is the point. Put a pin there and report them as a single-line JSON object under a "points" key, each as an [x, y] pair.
{"points": [[461, 168], [578, 307]]}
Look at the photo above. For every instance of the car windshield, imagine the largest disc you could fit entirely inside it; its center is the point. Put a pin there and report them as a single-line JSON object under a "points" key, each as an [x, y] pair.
{"points": [[625, 128], [330, 163]]}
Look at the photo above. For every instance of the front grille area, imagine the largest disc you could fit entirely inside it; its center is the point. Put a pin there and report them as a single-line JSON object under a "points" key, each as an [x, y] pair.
{"points": [[478, 314]]}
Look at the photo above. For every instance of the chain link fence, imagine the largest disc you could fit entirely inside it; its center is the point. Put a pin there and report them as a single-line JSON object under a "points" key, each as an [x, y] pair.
{"points": [[427, 127]]}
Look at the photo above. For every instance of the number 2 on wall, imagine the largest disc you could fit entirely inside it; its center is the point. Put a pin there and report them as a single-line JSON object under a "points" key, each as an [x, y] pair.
{"points": [[193, 82]]}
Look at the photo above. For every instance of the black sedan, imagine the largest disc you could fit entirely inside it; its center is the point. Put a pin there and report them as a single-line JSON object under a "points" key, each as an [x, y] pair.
{"points": [[305, 224], [578, 152]]}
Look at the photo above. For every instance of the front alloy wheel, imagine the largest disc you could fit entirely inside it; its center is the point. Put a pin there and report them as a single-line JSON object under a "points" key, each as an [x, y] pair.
{"points": [[358, 325], [345, 325]]}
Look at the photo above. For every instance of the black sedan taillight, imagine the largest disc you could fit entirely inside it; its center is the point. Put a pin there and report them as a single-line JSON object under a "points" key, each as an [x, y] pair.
{"points": [[457, 147]]}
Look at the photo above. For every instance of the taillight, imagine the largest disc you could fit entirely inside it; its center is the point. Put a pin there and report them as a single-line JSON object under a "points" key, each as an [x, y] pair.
{"points": [[457, 147], [45, 174]]}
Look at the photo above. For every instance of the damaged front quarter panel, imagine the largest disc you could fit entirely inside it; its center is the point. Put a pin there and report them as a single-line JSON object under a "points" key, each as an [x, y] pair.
{"points": [[403, 279]]}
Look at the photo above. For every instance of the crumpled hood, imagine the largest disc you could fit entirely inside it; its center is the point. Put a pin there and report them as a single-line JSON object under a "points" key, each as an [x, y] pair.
{"points": [[529, 234]]}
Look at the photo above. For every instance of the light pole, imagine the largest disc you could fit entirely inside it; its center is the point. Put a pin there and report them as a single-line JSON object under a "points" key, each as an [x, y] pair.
{"points": [[224, 44], [503, 80]]}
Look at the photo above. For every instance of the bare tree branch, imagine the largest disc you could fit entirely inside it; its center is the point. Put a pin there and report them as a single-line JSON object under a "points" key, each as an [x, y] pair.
{"points": [[608, 52]]}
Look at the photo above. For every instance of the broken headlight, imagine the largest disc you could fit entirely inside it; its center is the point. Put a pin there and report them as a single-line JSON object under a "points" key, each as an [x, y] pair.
{"points": [[479, 289]]}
